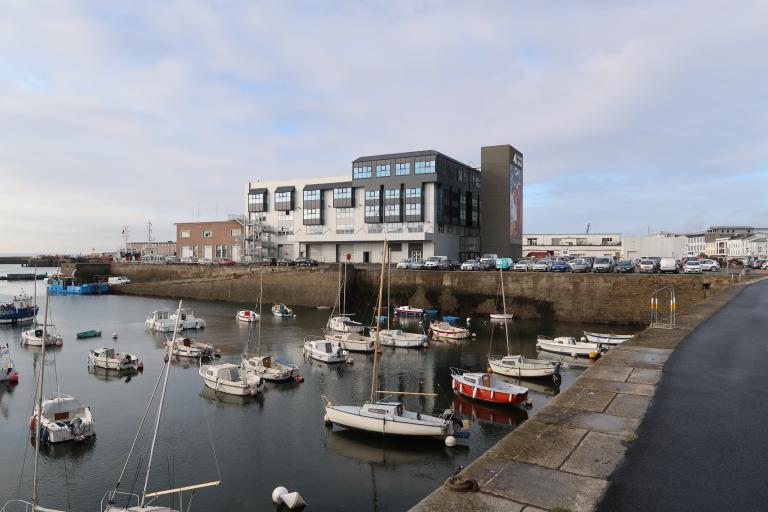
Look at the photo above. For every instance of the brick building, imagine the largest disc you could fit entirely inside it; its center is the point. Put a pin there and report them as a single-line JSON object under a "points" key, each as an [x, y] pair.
{"points": [[213, 240]]}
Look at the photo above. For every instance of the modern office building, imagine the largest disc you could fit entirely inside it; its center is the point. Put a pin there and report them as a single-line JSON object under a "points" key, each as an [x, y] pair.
{"points": [[424, 202]]}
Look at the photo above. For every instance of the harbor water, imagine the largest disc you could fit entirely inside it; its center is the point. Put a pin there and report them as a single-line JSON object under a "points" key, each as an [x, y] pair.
{"points": [[259, 443]]}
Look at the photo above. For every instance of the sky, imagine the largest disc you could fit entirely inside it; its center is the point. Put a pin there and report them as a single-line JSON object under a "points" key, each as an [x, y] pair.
{"points": [[633, 117]]}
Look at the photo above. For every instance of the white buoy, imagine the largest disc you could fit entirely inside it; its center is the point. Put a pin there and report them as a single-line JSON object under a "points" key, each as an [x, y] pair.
{"points": [[350, 360], [474, 335], [469, 319], [276, 494], [292, 500], [114, 335], [450, 441]]}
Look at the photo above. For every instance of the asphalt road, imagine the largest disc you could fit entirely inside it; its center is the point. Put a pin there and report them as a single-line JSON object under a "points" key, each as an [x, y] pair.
{"points": [[703, 444]]}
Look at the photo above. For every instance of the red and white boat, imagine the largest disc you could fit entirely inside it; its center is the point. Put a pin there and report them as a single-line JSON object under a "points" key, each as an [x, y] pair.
{"points": [[447, 331], [408, 311], [247, 315], [487, 388]]}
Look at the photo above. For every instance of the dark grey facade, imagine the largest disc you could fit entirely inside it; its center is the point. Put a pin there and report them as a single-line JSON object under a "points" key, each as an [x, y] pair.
{"points": [[501, 200]]}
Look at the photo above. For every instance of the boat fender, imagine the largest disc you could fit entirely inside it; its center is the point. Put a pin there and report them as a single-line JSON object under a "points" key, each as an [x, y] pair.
{"points": [[44, 435], [276, 494], [141, 366], [32, 423], [299, 379], [489, 369]]}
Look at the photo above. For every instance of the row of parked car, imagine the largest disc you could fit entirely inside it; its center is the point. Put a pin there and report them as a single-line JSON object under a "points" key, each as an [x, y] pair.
{"points": [[485, 262]]}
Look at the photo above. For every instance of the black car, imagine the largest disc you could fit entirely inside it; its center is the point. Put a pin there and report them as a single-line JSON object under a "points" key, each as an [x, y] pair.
{"points": [[625, 266], [285, 262], [305, 262], [268, 262]]}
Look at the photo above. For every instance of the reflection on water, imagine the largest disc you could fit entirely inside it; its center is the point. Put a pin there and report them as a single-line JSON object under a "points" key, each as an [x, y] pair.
{"points": [[276, 438]]}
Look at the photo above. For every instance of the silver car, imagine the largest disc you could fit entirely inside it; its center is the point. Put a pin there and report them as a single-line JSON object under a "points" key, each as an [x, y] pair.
{"points": [[647, 266], [603, 265], [404, 264], [471, 265], [417, 265], [710, 265], [692, 267], [522, 266], [579, 265], [541, 266]]}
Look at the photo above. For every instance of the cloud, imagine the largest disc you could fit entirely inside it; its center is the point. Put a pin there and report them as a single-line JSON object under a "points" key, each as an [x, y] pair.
{"points": [[630, 115]]}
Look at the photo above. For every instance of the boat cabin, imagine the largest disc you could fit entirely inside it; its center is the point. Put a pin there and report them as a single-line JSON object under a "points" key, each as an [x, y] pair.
{"points": [[108, 353], [229, 372], [161, 315], [62, 409], [512, 360]]}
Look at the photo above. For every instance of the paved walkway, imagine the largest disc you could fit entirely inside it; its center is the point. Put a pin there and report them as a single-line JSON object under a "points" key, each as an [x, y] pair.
{"points": [[703, 445]]}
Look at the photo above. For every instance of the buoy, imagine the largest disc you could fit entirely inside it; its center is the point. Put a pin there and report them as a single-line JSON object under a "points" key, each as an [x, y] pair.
{"points": [[114, 335], [254, 391], [450, 441], [292, 500], [276, 494], [379, 350], [528, 402], [474, 335], [489, 370], [468, 320], [32, 422], [59, 343], [593, 355], [14, 379]]}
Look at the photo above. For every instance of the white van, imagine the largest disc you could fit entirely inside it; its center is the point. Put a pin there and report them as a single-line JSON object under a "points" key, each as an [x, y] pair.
{"points": [[118, 280], [434, 262], [668, 265]]}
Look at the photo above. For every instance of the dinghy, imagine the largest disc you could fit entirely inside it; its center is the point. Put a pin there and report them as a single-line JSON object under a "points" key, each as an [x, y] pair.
{"points": [[186, 347], [320, 349], [487, 388], [568, 345], [246, 315], [282, 311], [88, 334], [110, 359], [447, 331], [607, 339], [231, 379], [521, 367]]}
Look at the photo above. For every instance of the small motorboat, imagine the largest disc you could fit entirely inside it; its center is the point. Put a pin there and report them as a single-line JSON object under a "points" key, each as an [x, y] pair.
{"points": [[320, 349], [63, 418], [88, 334], [282, 311], [272, 371], [8, 371], [186, 347], [344, 324], [246, 315], [408, 311], [160, 321], [502, 316], [231, 379], [487, 388], [353, 342], [110, 359], [447, 331], [34, 337], [568, 345], [521, 367], [400, 339], [187, 319], [607, 339]]}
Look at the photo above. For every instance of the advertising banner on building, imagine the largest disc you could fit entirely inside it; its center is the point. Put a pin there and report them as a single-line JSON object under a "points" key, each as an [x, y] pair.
{"points": [[516, 200]]}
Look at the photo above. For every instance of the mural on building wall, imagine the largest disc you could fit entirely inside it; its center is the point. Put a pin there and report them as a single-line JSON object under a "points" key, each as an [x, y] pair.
{"points": [[515, 204]]}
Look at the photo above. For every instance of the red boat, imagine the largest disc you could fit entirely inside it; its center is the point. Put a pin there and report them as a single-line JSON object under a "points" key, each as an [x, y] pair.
{"points": [[487, 388]]}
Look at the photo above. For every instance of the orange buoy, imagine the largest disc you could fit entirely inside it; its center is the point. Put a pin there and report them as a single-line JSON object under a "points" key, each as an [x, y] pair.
{"points": [[490, 370]]}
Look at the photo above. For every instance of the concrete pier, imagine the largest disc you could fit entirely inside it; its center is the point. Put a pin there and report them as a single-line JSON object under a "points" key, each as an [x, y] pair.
{"points": [[562, 458]]}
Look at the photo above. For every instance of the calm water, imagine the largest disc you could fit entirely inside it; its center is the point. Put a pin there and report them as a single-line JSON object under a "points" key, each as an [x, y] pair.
{"points": [[278, 438]]}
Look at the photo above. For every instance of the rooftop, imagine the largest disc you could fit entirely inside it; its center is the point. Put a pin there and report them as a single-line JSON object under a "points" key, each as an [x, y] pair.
{"points": [[408, 154]]}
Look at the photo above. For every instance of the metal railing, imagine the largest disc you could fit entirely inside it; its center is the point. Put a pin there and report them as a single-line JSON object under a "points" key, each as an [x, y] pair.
{"points": [[663, 317]]}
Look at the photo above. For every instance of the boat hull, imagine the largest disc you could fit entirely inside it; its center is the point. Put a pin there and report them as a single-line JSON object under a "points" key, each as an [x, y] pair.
{"points": [[487, 395], [607, 339], [566, 350], [334, 357], [119, 364], [534, 372], [349, 419]]}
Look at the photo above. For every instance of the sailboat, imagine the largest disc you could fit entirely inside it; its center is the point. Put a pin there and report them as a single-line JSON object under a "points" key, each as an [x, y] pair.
{"points": [[397, 337], [518, 365], [343, 323], [384, 417], [144, 503], [273, 371], [8, 371], [504, 315]]}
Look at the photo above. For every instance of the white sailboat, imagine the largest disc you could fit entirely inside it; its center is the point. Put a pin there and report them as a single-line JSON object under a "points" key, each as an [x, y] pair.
{"points": [[182, 346], [568, 345], [518, 365], [282, 311], [144, 503], [35, 337], [325, 351], [446, 331], [389, 418], [231, 379], [269, 370], [352, 341], [342, 323], [247, 315], [397, 337]]}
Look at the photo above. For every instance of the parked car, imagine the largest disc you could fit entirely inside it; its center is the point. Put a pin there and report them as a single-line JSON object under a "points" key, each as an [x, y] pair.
{"points": [[404, 264], [303, 261], [172, 259], [668, 265], [692, 267], [504, 263], [709, 265], [471, 265], [434, 262], [418, 265], [188, 259], [118, 280], [541, 266], [625, 266], [560, 266], [647, 266], [603, 265], [580, 265], [224, 261], [285, 262], [205, 261], [268, 262], [488, 261], [522, 266], [765, 265]]}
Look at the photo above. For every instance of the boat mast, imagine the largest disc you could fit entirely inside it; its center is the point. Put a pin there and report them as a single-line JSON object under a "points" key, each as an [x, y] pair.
{"points": [[344, 300], [160, 406], [261, 292], [39, 419], [504, 302], [378, 322], [389, 280], [34, 294]]}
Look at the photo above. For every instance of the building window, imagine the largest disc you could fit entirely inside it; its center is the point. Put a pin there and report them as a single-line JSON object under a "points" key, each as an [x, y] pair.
{"points": [[392, 210], [285, 223], [532, 241], [412, 193], [607, 241], [345, 221], [311, 216], [462, 175], [403, 169], [383, 171], [311, 195], [425, 167], [392, 193], [375, 228], [372, 211], [314, 230], [359, 173], [394, 227], [440, 227], [207, 233], [236, 232], [413, 210], [222, 251], [342, 193], [184, 233], [256, 202], [462, 209], [257, 217], [371, 195], [283, 200], [415, 227]]}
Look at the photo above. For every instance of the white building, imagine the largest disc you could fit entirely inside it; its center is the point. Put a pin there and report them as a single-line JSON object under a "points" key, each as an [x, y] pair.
{"points": [[696, 244], [747, 246], [570, 244], [662, 244], [758, 245]]}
